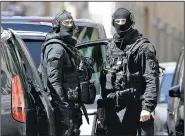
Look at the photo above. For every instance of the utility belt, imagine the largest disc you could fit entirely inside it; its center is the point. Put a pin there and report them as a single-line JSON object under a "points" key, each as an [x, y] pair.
{"points": [[118, 81]]}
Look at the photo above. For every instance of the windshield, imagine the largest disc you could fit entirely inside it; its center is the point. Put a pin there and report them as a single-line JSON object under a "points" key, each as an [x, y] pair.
{"points": [[85, 34], [165, 86]]}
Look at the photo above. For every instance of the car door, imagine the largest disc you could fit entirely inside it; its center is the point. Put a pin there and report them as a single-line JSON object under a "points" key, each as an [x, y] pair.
{"points": [[95, 50], [15, 99], [178, 77], [8, 70], [44, 109], [179, 120]]}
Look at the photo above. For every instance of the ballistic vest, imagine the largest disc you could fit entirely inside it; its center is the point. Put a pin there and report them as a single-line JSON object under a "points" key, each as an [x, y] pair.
{"points": [[76, 75], [70, 81], [116, 74]]}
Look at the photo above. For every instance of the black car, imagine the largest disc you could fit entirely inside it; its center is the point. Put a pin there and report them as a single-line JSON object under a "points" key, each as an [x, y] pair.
{"points": [[25, 108], [176, 100]]}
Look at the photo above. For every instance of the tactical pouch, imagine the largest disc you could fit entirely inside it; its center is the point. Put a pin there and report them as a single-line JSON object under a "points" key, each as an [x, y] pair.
{"points": [[73, 94], [88, 92], [110, 79], [71, 86]]}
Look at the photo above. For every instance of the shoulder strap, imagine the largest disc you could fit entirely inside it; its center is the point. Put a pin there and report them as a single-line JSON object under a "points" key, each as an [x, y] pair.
{"points": [[138, 44], [71, 54], [59, 42]]}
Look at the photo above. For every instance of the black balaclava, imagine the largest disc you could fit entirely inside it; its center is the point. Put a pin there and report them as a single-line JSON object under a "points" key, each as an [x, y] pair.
{"points": [[122, 13], [125, 33], [65, 32]]}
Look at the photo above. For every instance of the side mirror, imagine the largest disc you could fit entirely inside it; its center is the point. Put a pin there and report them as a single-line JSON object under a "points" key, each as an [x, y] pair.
{"points": [[174, 100], [175, 91]]}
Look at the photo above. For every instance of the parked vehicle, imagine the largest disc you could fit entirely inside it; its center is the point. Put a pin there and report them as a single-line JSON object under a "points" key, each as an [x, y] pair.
{"points": [[175, 114], [86, 30], [25, 109], [160, 115]]}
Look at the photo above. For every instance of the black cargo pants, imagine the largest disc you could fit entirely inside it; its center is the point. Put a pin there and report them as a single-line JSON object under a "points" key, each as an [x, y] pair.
{"points": [[129, 124], [63, 116]]}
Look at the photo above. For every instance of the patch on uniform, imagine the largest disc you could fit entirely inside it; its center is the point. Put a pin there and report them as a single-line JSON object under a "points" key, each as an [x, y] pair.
{"points": [[152, 63], [150, 52], [53, 62]]}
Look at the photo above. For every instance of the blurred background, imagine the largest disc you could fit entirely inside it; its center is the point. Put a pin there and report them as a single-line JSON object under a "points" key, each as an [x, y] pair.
{"points": [[161, 22]]}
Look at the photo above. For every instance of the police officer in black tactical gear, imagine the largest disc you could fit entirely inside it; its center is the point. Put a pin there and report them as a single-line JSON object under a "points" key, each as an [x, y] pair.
{"points": [[60, 71], [129, 80]]}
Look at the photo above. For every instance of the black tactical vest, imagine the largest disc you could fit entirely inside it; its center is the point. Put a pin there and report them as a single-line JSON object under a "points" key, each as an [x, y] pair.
{"points": [[76, 75], [118, 73], [69, 72]]}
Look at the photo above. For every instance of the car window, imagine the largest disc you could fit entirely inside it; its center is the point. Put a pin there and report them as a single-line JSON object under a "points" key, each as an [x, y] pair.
{"points": [[8, 70], [164, 87], [181, 74], [27, 27], [182, 91], [6, 76], [181, 80], [29, 65], [86, 34], [34, 47], [177, 69]]}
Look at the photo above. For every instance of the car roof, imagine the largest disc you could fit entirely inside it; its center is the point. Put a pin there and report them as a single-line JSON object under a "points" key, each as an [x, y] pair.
{"points": [[86, 22], [169, 67], [33, 23]]}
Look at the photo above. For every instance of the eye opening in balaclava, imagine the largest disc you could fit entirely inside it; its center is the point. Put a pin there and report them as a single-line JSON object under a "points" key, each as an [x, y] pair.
{"points": [[120, 21], [68, 23]]}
